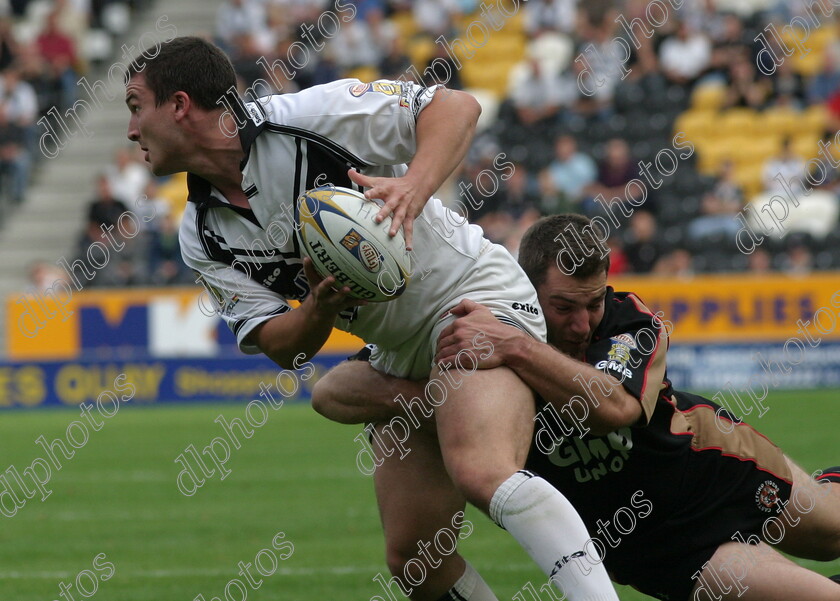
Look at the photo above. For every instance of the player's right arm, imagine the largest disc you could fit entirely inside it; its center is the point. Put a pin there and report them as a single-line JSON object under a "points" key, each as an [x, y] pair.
{"points": [[262, 320], [304, 330]]}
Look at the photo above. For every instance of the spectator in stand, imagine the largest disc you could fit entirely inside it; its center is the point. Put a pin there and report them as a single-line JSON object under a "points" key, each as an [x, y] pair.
{"points": [[361, 42], [59, 51], [15, 160], [441, 69], [536, 101], [614, 173], [728, 46], [436, 17], [509, 210], [34, 71], [595, 57], [245, 50], [22, 104], [618, 258], [702, 15], [550, 16], [235, 18], [677, 264], [19, 96], [396, 63], [563, 182], [641, 245], [788, 88], [8, 44], [719, 207], [43, 275], [798, 260], [684, 57], [785, 165], [127, 176], [825, 83], [759, 262], [325, 69], [745, 87], [165, 264], [105, 209]]}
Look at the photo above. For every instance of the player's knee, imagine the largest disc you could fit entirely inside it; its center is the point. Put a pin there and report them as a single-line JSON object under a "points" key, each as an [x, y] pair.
{"points": [[477, 486], [396, 558]]}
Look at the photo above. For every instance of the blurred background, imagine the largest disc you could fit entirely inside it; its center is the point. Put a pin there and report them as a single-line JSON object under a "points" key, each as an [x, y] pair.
{"points": [[682, 130]]}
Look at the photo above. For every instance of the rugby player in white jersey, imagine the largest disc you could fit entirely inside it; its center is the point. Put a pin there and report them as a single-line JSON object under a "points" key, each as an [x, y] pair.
{"points": [[247, 165]]}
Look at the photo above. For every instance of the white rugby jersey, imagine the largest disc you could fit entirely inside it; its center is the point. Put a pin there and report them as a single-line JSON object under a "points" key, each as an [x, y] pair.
{"points": [[250, 260]]}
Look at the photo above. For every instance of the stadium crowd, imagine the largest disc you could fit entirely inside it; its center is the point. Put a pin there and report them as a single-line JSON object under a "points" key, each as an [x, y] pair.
{"points": [[568, 120]]}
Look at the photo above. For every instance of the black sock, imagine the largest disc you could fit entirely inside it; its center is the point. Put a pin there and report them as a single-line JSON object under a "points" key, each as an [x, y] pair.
{"points": [[832, 474]]}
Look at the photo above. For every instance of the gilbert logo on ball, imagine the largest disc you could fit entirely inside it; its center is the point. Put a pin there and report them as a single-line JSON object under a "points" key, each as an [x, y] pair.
{"points": [[335, 228]]}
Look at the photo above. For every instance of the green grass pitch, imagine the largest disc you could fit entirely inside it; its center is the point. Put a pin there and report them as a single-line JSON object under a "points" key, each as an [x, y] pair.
{"points": [[296, 475]]}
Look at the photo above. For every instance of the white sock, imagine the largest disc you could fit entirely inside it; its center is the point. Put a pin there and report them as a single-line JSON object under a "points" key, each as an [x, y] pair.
{"points": [[543, 521], [470, 587]]}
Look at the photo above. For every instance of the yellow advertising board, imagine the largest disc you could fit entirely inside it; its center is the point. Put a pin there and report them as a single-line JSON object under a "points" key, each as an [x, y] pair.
{"points": [[742, 307]]}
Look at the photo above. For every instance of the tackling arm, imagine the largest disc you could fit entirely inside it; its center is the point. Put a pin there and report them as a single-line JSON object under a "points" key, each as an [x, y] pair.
{"points": [[558, 378]]}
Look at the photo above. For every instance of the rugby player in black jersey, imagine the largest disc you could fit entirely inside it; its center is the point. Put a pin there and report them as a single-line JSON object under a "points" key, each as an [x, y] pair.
{"points": [[680, 497]]}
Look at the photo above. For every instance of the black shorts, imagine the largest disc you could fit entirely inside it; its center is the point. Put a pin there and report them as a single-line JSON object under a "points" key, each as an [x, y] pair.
{"points": [[704, 488], [663, 561]]}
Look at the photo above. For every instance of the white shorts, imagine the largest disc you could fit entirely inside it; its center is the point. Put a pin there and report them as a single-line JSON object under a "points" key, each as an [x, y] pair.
{"points": [[498, 283]]}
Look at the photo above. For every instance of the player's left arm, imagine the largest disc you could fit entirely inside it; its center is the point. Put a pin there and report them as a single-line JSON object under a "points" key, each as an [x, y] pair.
{"points": [[557, 378], [444, 131]]}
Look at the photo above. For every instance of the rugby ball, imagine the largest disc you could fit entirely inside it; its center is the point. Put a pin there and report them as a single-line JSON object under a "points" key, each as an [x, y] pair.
{"points": [[335, 228]]}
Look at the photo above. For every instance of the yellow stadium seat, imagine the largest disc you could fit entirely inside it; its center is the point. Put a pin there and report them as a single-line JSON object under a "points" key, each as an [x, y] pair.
{"points": [[780, 121], [749, 178], [713, 156], [697, 124], [814, 119], [406, 25], [737, 122], [810, 64], [420, 50], [806, 146], [708, 97], [366, 73], [759, 149], [495, 80]]}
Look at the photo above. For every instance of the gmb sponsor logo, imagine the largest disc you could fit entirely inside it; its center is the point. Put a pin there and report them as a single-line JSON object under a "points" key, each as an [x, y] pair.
{"points": [[616, 367]]}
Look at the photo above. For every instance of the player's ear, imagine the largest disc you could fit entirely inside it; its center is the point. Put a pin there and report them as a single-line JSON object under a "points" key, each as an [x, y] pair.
{"points": [[182, 104]]}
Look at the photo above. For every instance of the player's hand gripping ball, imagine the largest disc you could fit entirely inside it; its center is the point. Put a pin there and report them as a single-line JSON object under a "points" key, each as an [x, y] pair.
{"points": [[335, 228]]}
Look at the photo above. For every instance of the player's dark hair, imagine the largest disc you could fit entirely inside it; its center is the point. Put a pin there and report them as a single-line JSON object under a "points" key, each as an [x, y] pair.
{"points": [[544, 240], [186, 64]]}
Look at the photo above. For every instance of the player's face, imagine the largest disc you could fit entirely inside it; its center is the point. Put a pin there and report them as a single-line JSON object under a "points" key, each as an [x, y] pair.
{"points": [[153, 127], [573, 309]]}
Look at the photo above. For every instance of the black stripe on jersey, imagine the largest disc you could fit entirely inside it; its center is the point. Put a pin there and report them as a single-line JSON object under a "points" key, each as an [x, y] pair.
{"points": [[328, 144], [199, 193], [511, 322], [238, 324], [298, 169], [251, 191], [324, 167]]}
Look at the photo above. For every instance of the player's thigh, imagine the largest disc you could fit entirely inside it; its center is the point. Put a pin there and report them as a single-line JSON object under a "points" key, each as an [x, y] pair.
{"points": [[417, 501], [485, 427], [759, 573], [813, 527]]}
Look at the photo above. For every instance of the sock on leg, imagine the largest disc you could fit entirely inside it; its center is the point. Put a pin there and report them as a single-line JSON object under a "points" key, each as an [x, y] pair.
{"points": [[544, 522], [830, 474], [469, 587]]}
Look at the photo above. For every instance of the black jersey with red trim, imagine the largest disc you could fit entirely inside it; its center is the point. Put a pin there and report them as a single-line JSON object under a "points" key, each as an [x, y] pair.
{"points": [[661, 495]]}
